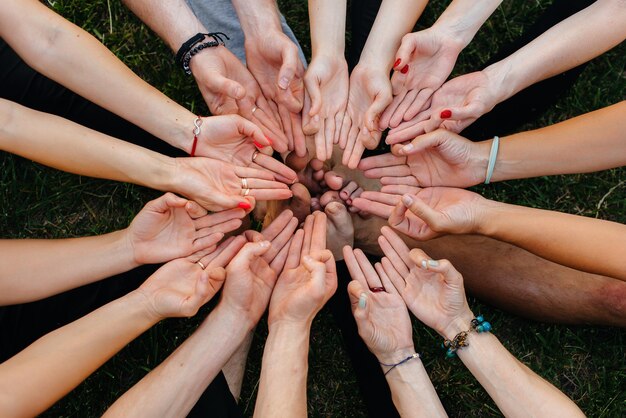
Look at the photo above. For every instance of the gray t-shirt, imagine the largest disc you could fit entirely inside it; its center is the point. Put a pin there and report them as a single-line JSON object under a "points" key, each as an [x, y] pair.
{"points": [[220, 16]]}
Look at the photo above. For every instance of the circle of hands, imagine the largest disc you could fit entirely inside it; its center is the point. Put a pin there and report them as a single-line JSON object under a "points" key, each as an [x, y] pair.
{"points": [[310, 116]]}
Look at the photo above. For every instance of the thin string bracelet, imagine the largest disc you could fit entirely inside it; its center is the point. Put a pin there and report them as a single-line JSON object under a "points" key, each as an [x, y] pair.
{"points": [[393, 366], [493, 154], [197, 123]]}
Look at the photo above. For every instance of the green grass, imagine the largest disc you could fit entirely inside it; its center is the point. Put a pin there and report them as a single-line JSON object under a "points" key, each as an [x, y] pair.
{"points": [[587, 363]]}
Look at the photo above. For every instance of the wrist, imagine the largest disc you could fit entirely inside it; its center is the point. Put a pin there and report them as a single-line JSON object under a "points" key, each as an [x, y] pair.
{"points": [[395, 356], [238, 320], [501, 81], [139, 301], [486, 217], [455, 38], [459, 324], [258, 20], [285, 325]]}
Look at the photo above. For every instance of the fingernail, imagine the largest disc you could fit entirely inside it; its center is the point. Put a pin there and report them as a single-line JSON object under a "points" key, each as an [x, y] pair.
{"points": [[395, 64], [283, 83], [265, 244], [244, 205], [407, 148], [407, 200], [433, 263], [445, 114], [362, 300], [257, 144], [269, 140], [405, 69]]}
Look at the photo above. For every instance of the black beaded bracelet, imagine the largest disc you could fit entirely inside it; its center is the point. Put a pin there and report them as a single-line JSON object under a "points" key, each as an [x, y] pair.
{"points": [[192, 46]]}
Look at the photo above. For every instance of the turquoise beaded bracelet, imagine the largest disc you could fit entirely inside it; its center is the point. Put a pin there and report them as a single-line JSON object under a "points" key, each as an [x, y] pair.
{"points": [[477, 324]]}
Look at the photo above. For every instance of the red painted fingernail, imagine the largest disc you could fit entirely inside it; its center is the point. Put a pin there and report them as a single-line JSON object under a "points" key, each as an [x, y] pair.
{"points": [[257, 144], [395, 64], [244, 205], [445, 114], [405, 69], [269, 140]]}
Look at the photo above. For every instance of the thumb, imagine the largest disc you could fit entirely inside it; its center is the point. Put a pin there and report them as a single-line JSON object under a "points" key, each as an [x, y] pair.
{"points": [[218, 84], [431, 217], [250, 130], [165, 202], [310, 120], [422, 142], [250, 251], [287, 70], [312, 86], [403, 56], [358, 300], [398, 215], [372, 115], [194, 210]]}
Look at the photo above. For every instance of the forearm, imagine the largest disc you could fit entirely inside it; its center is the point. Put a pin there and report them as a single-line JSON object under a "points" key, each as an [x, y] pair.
{"points": [[516, 389], [67, 146], [43, 38], [591, 142], [395, 19], [34, 379], [463, 18], [576, 40], [173, 388], [172, 20], [258, 17], [282, 388], [328, 26], [411, 389], [26, 265], [587, 244]]}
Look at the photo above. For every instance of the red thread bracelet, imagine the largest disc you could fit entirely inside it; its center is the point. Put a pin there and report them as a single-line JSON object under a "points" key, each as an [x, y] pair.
{"points": [[196, 131]]}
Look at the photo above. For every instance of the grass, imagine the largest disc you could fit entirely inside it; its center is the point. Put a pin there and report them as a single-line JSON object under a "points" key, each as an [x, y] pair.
{"points": [[587, 363]]}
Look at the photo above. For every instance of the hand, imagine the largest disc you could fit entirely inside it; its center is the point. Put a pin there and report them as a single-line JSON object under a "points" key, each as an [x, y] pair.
{"points": [[432, 289], [369, 95], [217, 185], [180, 288], [424, 62], [326, 97], [249, 283], [172, 227], [439, 158], [382, 317], [273, 60], [234, 139], [309, 278], [455, 106], [229, 88], [438, 210]]}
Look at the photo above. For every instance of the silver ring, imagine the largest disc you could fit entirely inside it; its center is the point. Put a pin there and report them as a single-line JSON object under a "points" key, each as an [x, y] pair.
{"points": [[244, 183], [202, 266], [245, 192], [255, 154], [254, 109]]}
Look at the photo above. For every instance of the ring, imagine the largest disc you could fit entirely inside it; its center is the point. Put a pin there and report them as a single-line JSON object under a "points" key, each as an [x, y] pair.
{"points": [[377, 289], [255, 154], [245, 192], [254, 109], [202, 266], [244, 183]]}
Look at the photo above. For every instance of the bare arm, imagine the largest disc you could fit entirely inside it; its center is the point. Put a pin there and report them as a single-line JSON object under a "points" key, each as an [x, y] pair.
{"points": [[69, 55]]}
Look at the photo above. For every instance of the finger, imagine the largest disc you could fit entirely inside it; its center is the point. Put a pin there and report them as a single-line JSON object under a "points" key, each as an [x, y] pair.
{"points": [[316, 268], [285, 119], [391, 171], [320, 142], [219, 84], [312, 86], [393, 256], [358, 298], [379, 161], [224, 253], [279, 242], [398, 216], [299, 139], [349, 146], [338, 126], [333, 180], [218, 218], [434, 219], [166, 202], [406, 131], [295, 250], [354, 267], [277, 225], [348, 189], [372, 115], [398, 282], [318, 233], [253, 236], [419, 104], [398, 245], [398, 115], [278, 263], [444, 267], [368, 270], [406, 49], [195, 211], [224, 228], [357, 151], [271, 194], [384, 198], [385, 118], [346, 126], [328, 197], [308, 231], [329, 133], [399, 189], [385, 280], [207, 241], [406, 181], [250, 173], [378, 209]]}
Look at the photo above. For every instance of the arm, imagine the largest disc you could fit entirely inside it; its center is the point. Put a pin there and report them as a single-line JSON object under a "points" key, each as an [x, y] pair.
{"points": [[433, 290], [326, 78], [43, 38], [35, 378]]}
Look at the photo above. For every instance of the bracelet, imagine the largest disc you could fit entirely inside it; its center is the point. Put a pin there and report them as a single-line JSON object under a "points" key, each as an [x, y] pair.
{"points": [[493, 154], [477, 324], [197, 123], [393, 366], [192, 46]]}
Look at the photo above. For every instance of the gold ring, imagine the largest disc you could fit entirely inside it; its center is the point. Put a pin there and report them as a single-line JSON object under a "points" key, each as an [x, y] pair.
{"points": [[202, 266], [255, 154], [244, 183], [245, 192]]}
